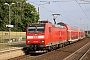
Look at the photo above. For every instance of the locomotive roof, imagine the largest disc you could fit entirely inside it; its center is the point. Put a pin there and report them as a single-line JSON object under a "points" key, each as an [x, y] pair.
{"points": [[58, 26], [46, 21]]}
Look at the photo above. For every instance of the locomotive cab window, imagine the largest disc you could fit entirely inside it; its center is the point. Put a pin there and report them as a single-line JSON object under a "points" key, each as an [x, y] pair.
{"points": [[31, 29], [36, 28]]}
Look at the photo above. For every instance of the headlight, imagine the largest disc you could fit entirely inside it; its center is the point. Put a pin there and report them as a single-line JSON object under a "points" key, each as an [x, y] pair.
{"points": [[28, 41], [42, 40]]}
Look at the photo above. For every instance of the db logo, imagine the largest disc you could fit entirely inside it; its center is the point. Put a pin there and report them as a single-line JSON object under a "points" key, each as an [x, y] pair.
{"points": [[35, 37]]}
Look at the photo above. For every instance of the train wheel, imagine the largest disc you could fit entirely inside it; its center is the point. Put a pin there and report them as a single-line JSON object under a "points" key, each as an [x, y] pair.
{"points": [[65, 43], [25, 49], [52, 47], [56, 46], [68, 42], [59, 45], [62, 45], [49, 48], [26, 52]]}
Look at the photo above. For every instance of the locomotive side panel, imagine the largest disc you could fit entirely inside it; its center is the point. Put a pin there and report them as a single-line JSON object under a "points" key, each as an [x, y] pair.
{"points": [[48, 34], [55, 36]]}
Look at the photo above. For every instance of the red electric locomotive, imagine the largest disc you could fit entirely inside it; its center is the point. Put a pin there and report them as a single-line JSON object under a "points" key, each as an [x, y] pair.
{"points": [[44, 36]]}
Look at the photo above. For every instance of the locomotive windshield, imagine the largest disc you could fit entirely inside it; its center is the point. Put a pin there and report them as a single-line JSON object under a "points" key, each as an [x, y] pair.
{"points": [[36, 28]]}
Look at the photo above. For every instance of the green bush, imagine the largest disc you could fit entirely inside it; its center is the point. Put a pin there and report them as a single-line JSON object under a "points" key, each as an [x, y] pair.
{"points": [[87, 35]]}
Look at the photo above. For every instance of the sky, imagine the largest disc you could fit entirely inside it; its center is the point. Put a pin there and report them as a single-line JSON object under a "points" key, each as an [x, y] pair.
{"points": [[75, 13]]}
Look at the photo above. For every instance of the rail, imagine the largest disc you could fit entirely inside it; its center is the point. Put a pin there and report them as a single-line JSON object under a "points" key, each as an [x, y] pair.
{"points": [[79, 54]]}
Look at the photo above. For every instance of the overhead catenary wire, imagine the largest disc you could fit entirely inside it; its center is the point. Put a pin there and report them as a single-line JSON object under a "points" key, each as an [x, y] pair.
{"points": [[42, 7], [50, 10], [70, 20], [59, 6], [85, 7], [67, 14], [54, 12], [82, 10]]}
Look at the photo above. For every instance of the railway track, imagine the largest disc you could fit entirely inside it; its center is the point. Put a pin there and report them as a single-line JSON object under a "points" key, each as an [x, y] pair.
{"points": [[86, 56], [74, 49], [82, 58], [80, 53]]}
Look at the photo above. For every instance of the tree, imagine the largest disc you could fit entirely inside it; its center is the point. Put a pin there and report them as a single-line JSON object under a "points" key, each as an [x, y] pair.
{"points": [[22, 13]]}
